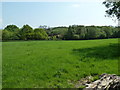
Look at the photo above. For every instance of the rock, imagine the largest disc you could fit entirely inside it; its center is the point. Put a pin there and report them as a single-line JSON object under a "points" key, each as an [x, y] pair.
{"points": [[106, 82], [83, 81]]}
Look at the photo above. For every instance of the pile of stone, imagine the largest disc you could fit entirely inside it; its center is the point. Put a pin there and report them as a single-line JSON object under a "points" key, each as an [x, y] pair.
{"points": [[106, 82]]}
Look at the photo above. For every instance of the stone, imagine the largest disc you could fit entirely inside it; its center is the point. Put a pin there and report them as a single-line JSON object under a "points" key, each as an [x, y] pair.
{"points": [[105, 82]]}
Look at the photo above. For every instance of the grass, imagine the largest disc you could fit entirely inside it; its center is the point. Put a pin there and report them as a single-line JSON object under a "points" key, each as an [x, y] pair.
{"points": [[56, 64]]}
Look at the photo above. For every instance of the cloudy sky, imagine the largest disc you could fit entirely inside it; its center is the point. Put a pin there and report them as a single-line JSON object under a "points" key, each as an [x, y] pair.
{"points": [[54, 13]]}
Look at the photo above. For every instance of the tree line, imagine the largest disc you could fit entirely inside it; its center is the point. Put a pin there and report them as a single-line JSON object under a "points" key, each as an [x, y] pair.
{"points": [[73, 32]]}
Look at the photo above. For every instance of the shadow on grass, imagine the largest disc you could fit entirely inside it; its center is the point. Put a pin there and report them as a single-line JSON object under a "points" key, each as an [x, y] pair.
{"points": [[110, 51]]}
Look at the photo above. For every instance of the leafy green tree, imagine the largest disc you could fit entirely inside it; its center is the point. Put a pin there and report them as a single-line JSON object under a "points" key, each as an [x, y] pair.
{"points": [[102, 34], [14, 30], [81, 31], [70, 33], [74, 32], [26, 33], [91, 32], [54, 38], [113, 8], [59, 32], [7, 35], [108, 31], [40, 34], [116, 33], [48, 31], [76, 37]]}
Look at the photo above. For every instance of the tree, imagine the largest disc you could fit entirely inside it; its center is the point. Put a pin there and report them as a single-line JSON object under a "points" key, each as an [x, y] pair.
{"points": [[7, 35], [91, 32], [113, 8], [108, 31], [70, 33], [81, 30], [13, 30], [102, 34], [26, 32], [116, 32], [74, 32], [43, 27], [59, 32], [40, 34]]}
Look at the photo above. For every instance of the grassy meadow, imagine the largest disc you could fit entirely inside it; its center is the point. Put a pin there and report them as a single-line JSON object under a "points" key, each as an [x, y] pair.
{"points": [[53, 64]]}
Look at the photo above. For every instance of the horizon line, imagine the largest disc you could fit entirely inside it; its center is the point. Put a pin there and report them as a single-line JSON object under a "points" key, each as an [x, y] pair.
{"points": [[57, 25]]}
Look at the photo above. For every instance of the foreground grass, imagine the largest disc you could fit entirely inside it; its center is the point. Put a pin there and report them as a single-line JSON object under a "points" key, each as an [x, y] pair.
{"points": [[40, 64]]}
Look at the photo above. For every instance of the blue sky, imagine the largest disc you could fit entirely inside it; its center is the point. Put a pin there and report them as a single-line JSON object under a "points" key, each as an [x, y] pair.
{"points": [[54, 14]]}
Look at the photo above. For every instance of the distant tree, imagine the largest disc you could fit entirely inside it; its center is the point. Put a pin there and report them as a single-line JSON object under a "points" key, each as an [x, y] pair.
{"points": [[91, 32], [40, 34], [12, 28], [54, 38], [59, 32], [7, 35], [74, 32], [108, 31], [117, 32], [13, 31], [76, 37], [81, 31], [43, 26], [26, 32], [102, 34], [48, 31], [70, 33]]}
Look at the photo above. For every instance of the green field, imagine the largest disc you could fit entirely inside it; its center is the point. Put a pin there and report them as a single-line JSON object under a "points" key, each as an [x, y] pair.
{"points": [[41, 64]]}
